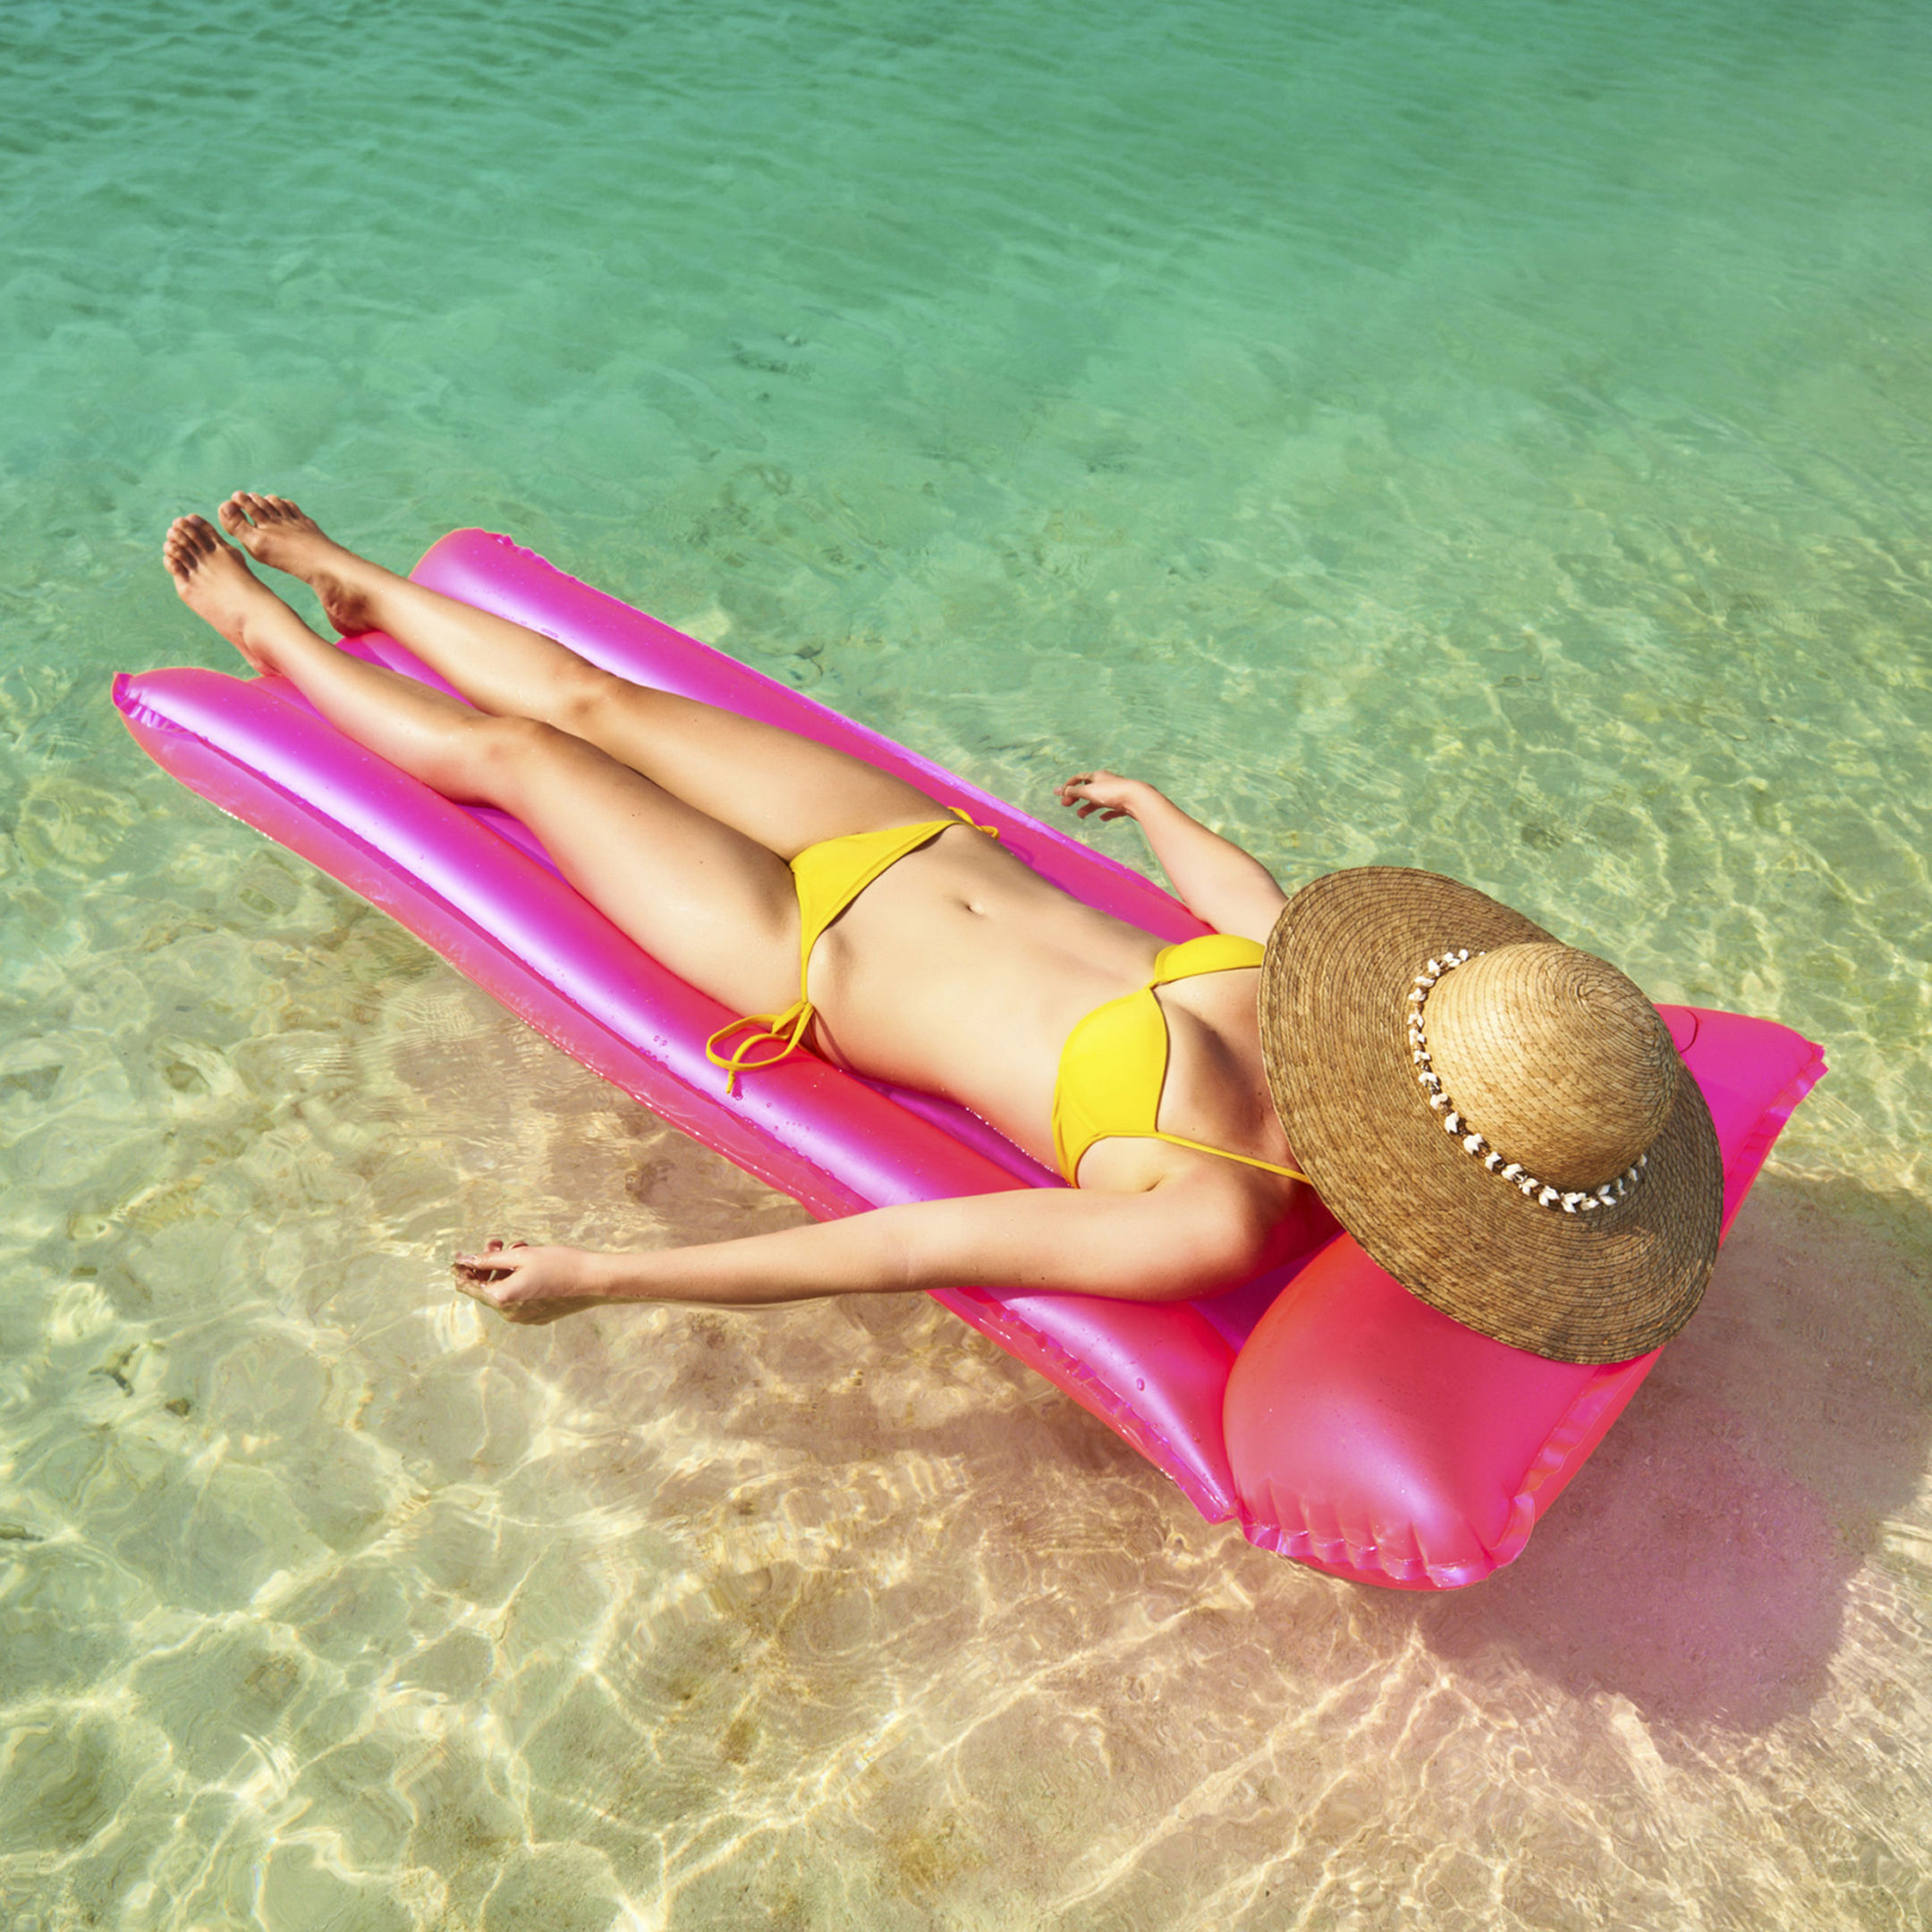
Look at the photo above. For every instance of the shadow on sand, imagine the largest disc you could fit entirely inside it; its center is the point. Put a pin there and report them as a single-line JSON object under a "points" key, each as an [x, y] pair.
{"points": [[1700, 1564]]}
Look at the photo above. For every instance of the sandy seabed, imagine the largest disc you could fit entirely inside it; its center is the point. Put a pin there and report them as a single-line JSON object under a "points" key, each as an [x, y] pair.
{"points": [[1489, 440], [329, 1603]]}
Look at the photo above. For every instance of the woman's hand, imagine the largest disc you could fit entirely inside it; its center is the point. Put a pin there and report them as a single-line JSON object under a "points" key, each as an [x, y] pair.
{"points": [[529, 1285], [1216, 880], [1180, 1234], [1107, 794]]}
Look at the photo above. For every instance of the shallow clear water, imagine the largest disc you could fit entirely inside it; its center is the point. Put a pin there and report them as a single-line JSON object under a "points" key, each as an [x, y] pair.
{"points": [[1497, 441]]}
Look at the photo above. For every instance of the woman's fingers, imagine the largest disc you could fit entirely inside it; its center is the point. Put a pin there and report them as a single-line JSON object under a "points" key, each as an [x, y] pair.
{"points": [[525, 1285], [498, 1287], [1102, 792], [494, 1246], [496, 1263]]}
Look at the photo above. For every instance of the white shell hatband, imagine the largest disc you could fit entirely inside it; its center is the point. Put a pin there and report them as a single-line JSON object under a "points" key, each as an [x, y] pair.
{"points": [[1572, 1200]]}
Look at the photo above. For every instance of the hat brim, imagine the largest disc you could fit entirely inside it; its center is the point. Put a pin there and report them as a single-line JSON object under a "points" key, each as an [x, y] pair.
{"points": [[1603, 1286]]}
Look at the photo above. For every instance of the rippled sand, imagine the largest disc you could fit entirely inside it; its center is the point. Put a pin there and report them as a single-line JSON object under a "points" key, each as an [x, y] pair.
{"points": [[326, 1597], [1495, 443]]}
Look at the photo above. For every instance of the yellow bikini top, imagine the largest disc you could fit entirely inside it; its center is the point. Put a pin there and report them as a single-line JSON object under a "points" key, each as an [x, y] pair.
{"points": [[1115, 1062]]}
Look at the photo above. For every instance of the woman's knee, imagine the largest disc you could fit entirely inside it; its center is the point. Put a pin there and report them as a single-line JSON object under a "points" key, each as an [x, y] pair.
{"points": [[493, 758], [582, 698]]}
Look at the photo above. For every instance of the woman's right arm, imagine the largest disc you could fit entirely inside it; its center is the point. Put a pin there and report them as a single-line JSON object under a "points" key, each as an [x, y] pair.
{"points": [[1215, 879], [1185, 1237]]}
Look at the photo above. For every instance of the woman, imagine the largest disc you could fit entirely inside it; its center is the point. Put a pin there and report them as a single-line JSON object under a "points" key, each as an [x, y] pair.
{"points": [[853, 916]]}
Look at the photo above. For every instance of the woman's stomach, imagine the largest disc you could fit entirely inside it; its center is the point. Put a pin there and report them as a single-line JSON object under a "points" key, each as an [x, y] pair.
{"points": [[961, 971]]}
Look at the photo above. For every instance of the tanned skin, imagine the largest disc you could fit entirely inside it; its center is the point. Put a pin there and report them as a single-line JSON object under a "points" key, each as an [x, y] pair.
{"points": [[960, 970]]}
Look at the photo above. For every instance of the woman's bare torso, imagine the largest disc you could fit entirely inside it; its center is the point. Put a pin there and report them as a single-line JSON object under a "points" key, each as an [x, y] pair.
{"points": [[958, 971], [962, 972]]}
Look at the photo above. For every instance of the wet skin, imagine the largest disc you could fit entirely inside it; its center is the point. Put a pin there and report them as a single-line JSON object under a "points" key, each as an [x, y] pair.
{"points": [[960, 970]]}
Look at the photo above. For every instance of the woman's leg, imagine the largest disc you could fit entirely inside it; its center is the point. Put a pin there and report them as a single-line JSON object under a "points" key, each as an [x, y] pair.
{"points": [[784, 791], [718, 907]]}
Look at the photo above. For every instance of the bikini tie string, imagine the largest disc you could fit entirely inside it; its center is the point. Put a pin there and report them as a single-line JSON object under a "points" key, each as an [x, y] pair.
{"points": [[785, 1030]]}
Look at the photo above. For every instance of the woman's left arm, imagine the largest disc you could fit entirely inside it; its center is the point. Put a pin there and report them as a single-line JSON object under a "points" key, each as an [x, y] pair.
{"points": [[1215, 879], [1181, 1239]]}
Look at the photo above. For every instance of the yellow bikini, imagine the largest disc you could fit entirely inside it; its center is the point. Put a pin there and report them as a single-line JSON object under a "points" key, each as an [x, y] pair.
{"points": [[1115, 1062], [829, 875]]}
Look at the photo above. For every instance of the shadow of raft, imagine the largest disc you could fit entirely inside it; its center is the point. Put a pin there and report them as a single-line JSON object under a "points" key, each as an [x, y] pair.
{"points": [[1701, 1564]]}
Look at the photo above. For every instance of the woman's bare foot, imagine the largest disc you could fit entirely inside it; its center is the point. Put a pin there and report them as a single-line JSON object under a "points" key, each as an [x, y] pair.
{"points": [[275, 532], [219, 587]]}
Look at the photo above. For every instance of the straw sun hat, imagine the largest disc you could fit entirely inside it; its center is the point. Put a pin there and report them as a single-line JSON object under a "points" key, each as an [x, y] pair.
{"points": [[1500, 1120]]}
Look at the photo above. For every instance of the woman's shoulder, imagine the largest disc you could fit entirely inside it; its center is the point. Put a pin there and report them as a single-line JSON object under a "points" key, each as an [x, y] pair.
{"points": [[1223, 1216]]}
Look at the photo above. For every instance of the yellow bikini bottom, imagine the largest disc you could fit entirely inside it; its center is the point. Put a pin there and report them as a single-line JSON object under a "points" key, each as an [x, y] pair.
{"points": [[829, 875]]}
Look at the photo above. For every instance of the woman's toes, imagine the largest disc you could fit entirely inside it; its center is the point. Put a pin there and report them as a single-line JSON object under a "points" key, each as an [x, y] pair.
{"points": [[247, 517], [187, 544], [272, 529]]}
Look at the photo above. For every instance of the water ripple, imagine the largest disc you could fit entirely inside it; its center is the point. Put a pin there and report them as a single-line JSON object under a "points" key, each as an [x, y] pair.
{"points": [[1495, 441]]}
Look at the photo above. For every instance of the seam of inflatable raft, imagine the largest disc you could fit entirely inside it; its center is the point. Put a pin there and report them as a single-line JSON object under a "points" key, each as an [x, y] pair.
{"points": [[982, 1309], [1756, 1149]]}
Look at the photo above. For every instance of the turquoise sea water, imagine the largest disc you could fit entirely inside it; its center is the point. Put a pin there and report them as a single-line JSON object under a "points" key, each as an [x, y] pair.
{"points": [[1499, 440]]}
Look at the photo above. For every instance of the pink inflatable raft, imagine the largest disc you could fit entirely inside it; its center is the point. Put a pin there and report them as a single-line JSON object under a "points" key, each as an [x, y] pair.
{"points": [[1340, 1421]]}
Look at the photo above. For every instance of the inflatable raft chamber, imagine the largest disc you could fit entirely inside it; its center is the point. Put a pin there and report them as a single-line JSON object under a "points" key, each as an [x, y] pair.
{"points": [[1337, 1419]]}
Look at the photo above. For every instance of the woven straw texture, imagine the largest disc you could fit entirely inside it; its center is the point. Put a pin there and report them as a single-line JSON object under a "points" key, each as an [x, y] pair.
{"points": [[1591, 1287]]}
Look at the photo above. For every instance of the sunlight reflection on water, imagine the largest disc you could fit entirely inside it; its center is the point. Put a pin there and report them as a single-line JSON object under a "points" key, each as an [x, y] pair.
{"points": [[1488, 444]]}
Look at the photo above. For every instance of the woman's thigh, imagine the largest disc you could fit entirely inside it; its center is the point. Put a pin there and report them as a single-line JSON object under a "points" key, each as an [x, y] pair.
{"points": [[773, 786], [783, 790], [716, 907]]}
